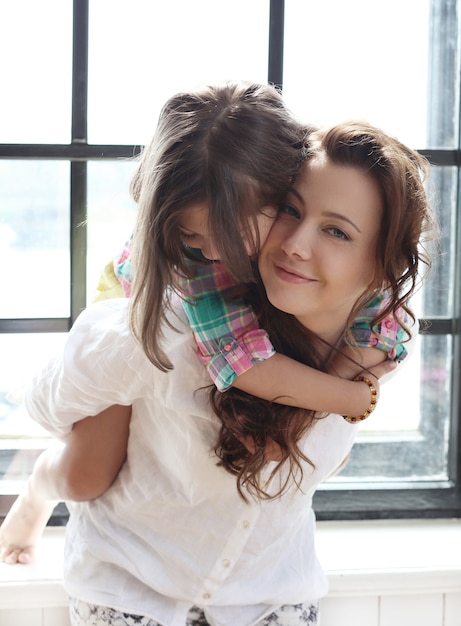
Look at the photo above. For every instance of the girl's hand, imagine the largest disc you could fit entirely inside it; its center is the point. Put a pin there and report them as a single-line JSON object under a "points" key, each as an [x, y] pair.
{"points": [[378, 371], [370, 377], [381, 369]]}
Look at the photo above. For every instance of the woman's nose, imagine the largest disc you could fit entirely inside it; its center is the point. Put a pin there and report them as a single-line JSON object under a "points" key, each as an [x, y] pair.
{"points": [[299, 243]]}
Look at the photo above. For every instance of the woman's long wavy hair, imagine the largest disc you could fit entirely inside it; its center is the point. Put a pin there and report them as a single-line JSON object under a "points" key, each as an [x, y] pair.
{"points": [[407, 222], [236, 148]]}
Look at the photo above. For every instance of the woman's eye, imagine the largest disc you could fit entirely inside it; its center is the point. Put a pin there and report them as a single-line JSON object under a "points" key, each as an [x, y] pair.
{"points": [[338, 233], [289, 209]]}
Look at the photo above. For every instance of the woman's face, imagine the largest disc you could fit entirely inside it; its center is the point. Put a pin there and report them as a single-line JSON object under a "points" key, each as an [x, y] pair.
{"points": [[320, 254]]}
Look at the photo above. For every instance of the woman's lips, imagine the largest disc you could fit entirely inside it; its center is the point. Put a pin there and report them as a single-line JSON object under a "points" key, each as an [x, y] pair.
{"points": [[290, 275]]}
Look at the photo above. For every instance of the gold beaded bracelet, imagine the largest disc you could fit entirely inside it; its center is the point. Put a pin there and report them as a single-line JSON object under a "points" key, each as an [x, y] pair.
{"points": [[373, 403]]}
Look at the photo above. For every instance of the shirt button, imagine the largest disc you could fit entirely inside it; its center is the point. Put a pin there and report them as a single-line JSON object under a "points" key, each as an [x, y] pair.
{"points": [[226, 563], [206, 596], [246, 524], [227, 347]]}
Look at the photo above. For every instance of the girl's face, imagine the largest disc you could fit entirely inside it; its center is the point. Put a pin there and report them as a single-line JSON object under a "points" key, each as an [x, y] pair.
{"points": [[319, 256], [194, 230]]}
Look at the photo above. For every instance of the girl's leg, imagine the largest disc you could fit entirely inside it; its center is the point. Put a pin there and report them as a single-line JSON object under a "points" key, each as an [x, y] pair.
{"points": [[81, 469]]}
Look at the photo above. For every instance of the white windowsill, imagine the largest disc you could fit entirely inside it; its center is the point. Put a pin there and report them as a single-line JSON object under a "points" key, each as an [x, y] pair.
{"points": [[360, 558], [381, 557]]}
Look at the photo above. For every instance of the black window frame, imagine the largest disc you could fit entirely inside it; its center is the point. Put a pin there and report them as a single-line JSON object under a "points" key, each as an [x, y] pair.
{"points": [[436, 500]]}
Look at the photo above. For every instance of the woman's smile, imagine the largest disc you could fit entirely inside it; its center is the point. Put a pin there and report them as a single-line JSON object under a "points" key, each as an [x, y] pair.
{"points": [[291, 275]]}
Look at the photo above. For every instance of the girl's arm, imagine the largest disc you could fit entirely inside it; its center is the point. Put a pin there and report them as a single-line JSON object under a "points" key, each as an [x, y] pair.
{"points": [[237, 352], [283, 380]]}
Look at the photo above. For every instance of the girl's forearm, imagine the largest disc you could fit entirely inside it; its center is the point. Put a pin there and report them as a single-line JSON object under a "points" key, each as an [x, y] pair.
{"points": [[283, 380]]}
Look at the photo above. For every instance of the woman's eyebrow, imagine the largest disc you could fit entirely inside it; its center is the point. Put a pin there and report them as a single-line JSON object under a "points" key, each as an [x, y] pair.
{"points": [[296, 193], [339, 216]]}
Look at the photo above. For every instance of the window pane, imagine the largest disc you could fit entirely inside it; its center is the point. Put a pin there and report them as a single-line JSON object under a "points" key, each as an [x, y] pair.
{"points": [[23, 355], [154, 49], [21, 439], [111, 215], [34, 238], [360, 59], [444, 60], [36, 71], [406, 439], [438, 294]]}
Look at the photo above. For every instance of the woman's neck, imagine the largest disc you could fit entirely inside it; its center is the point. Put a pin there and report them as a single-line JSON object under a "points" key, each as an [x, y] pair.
{"points": [[329, 338], [329, 325]]}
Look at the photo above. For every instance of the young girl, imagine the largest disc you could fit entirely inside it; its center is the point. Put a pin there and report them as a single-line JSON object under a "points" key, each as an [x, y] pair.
{"points": [[233, 152], [172, 542]]}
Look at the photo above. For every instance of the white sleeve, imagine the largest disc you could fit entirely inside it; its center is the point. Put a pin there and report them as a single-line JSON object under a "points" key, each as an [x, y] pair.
{"points": [[101, 365]]}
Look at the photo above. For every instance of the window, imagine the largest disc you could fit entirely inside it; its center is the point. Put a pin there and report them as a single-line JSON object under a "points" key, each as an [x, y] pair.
{"points": [[85, 90]]}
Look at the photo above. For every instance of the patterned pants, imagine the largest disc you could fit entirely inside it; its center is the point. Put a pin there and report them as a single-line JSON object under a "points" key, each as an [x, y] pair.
{"points": [[83, 614]]}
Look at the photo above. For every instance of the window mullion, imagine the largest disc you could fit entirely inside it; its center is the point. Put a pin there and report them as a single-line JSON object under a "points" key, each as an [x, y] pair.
{"points": [[78, 200], [276, 35]]}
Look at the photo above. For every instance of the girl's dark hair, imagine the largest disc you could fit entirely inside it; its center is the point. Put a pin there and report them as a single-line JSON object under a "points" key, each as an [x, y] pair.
{"points": [[235, 147], [406, 222]]}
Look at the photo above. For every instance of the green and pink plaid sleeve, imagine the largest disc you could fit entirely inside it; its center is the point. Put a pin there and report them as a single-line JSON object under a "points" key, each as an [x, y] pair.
{"points": [[227, 333]]}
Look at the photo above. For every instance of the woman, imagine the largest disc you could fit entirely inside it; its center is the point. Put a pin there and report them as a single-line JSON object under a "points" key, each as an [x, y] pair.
{"points": [[173, 541]]}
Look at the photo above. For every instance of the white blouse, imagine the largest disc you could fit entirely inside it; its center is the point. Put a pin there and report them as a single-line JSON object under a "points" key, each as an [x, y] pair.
{"points": [[172, 531]]}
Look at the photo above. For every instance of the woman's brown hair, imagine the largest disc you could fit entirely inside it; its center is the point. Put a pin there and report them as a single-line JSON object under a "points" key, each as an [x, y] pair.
{"points": [[406, 221]]}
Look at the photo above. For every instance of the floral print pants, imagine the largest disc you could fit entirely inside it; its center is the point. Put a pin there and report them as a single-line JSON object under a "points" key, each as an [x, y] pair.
{"points": [[83, 614]]}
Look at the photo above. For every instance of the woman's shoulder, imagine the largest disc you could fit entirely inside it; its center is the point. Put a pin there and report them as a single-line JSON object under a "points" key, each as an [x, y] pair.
{"points": [[104, 328], [104, 317], [102, 335]]}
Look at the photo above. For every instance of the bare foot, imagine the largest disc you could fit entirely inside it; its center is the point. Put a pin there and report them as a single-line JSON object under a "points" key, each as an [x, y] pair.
{"points": [[23, 527]]}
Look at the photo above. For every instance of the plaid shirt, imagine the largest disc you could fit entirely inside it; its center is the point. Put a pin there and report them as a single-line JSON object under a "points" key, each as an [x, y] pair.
{"points": [[226, 330], [228, 337]]}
